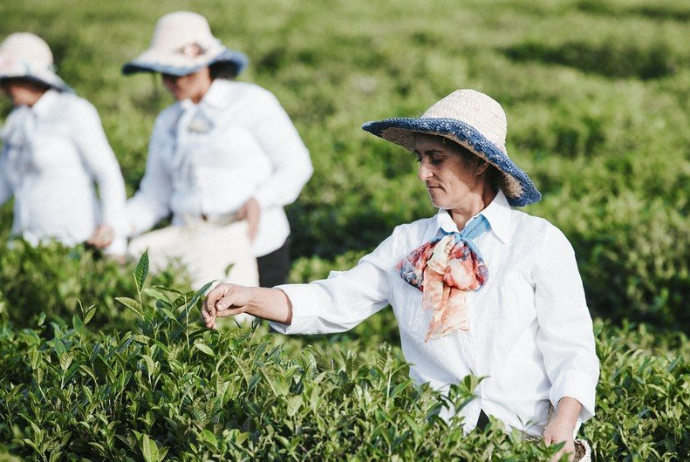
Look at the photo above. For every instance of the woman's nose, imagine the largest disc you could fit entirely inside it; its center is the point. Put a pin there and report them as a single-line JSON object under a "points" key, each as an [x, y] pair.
{"points": [[424, 172]]}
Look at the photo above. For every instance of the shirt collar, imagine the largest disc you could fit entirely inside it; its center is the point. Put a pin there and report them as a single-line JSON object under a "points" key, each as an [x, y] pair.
{"points": [[497, 214], [44, 104], [216, 96]]}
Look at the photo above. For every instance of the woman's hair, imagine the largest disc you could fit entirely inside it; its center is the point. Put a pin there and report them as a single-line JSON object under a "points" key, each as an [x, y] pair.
{"points": [[224, 70]]}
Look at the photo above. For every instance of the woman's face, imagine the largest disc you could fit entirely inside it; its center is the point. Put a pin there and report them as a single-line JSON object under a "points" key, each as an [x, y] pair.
{"points": [[22, 92], [452, 181], [191, 86]]}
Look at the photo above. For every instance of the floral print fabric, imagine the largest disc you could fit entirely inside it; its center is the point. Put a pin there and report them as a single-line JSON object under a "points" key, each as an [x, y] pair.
{"points": [[447, 269]]}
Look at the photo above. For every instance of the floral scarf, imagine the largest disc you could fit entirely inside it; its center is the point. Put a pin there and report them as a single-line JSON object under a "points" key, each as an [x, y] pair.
{"points": [[446, 270]]}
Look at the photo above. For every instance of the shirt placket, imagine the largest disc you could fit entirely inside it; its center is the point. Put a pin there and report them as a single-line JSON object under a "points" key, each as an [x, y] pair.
{"points": [[186, 182]]}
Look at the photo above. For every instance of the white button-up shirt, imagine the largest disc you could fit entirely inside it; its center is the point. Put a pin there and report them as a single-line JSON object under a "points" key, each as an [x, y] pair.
{"points": [[210, 158], [52, 153], [530, 330]]}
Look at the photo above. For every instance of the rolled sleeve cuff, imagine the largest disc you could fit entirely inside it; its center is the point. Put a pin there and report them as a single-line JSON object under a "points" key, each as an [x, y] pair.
{"points": [[304, 310], [577, 385]]}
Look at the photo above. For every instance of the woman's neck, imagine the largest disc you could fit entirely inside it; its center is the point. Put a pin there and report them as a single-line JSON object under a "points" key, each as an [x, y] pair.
{"points": [[472, 206]]}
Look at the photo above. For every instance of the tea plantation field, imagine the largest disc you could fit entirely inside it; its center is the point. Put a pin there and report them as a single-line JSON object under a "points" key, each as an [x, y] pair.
{"points": [[107, 362]]}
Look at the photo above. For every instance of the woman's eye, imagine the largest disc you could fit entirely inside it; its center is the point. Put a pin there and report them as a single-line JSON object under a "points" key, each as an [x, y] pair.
{"points": [[436, 160]]}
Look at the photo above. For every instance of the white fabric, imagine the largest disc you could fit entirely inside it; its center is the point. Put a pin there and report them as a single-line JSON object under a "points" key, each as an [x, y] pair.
{"points": [[210, 158], [53, 154], [530, 330], [206, 250]]}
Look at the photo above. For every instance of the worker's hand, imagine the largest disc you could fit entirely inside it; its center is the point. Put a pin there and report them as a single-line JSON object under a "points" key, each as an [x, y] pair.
{"points": [[225, 300], [251, 211], [102, 237]]}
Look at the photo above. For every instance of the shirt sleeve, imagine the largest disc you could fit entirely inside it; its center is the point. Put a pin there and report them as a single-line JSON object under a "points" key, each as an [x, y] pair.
{"points": [[100, 160], [151, 202], [5, 188], [565, 337], [287, 153], [343, 300]]}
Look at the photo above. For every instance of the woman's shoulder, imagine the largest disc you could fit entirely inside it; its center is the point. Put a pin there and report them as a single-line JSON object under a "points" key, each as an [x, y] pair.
{"points": [[413, 234], [71, 104], [234, 92], [538, 231]]}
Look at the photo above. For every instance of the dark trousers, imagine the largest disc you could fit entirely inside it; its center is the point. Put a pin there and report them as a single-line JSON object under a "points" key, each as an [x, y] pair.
{"points": [[274, 267], [482, 421]]}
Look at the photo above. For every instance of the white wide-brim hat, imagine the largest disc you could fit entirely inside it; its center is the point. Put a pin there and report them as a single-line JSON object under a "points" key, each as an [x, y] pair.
{"points": [[182, 43], [27, 56], [476, 122]]}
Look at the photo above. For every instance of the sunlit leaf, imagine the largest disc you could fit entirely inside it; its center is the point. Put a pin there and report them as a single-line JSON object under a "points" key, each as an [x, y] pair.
{"points": [[142, 269]]}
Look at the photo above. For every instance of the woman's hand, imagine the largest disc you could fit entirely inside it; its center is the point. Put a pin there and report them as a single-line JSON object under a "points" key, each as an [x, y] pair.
{"points": [[251, 211], [562, 427], [231, 299], [102, 237], [225, 300]]}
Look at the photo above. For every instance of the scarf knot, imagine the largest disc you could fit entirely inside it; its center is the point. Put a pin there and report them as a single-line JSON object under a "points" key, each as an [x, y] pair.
{"points": [[446, 270]]}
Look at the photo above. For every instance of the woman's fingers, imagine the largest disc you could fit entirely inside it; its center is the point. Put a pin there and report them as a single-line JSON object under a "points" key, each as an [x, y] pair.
{"points": [[554, 434], [222, 301], [251, 212], [208, 314]]}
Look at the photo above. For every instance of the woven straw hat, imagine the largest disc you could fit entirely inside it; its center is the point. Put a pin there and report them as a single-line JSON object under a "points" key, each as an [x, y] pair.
{"points": [[476, 122], [28, 56], [183, 43]]}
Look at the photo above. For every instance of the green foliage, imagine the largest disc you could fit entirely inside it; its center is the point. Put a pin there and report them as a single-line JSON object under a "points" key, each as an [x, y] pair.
{"points": [[53, 281], [100, 361], [171, 389]]}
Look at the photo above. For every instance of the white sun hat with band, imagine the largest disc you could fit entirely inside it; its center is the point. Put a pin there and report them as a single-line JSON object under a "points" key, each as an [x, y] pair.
{"points": [[24, 55], [182, 44], [474, 121]]}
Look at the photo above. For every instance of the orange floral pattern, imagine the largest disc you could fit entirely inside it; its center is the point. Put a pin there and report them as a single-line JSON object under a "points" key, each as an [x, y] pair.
{"points": [[446, 270]]}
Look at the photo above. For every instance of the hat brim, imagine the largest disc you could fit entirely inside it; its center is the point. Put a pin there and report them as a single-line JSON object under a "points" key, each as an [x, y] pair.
{"points": [[517, 186], [50, 80], [150, 62]]}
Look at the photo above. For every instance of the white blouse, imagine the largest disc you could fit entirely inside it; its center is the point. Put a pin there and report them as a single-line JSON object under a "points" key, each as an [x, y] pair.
{"points": [[530, 330], [210, 158], [53, 155]]}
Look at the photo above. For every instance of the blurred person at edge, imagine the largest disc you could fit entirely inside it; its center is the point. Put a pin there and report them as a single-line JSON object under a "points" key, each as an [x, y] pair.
{"points": [[54, 153], [224, 159], [480, 288]]}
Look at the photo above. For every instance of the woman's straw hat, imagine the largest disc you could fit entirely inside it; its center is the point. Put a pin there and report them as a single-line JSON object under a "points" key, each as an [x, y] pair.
{"points": [[27, 56], [182, 43], [476, 122]]}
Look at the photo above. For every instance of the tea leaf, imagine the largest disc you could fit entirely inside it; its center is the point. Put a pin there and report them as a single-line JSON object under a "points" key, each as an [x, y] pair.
{"points": [[142, 269], [149, 449], [204, 349], [131, 304]]}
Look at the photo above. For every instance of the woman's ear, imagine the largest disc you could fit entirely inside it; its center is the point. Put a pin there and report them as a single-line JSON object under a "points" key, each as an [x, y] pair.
{"points": [[482, 165]]}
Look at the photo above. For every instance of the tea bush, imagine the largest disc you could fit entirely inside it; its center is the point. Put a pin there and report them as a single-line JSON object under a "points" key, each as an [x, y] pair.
{"points": [[171, 389], [55, 281]]}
